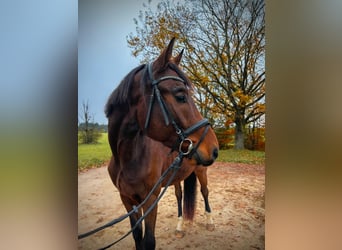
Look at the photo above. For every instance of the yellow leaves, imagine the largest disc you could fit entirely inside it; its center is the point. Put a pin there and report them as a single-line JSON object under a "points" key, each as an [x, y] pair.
{"points": [[191, 49], [135, 53], [216, 109], [162, 20], [242, 98], [224, 57], [229, 122], [204, 79], [260, 107], [133, 41], [238, 93], [198, 75]]}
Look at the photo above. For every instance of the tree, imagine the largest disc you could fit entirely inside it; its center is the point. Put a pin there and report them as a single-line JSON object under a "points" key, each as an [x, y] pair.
{"points": [[224, 58], [88, 132], [255, 139]]}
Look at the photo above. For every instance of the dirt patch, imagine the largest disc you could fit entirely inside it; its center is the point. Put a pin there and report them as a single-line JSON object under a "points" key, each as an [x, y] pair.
{"points": [[236, 196]]}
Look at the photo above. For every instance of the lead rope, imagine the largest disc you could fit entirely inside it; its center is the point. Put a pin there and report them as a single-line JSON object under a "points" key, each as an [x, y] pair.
{"points": [[175, 166]]}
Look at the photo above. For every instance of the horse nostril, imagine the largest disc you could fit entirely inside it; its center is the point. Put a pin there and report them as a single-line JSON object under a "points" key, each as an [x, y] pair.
{"points": [[215, 153]]}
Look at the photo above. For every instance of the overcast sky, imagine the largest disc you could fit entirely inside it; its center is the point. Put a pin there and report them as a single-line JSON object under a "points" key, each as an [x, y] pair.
{"points": [[103, 55]]}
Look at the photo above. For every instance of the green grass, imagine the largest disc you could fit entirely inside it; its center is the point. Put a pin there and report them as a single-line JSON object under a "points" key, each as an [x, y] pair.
{"points": [[241, 156], [94, 155]]}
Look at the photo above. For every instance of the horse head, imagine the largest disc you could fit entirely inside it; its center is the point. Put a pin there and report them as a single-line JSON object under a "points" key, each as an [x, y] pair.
{"points": [[167, 113]]}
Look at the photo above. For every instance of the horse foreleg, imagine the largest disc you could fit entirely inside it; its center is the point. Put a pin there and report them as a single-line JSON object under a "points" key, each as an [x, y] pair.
{"points": [[149, 240], [137, 233], [179, 229]]}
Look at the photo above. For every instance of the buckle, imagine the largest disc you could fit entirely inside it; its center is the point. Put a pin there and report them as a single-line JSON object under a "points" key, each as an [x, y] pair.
{"points": [[189, 147]]}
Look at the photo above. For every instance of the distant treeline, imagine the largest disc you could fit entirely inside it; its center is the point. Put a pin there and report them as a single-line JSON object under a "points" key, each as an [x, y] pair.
{"points": [[95, 126]]}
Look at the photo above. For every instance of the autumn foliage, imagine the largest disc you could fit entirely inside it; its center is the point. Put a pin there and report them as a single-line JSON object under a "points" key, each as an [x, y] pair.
{"points": [[255, 138], [224, 56]]}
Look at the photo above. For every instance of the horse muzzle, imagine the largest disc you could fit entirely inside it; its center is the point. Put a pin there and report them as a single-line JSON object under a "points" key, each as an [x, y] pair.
{"points": [[205, 161]]}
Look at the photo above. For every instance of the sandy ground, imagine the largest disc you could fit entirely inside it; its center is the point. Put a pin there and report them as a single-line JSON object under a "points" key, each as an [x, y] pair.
{"points": [[236, 198]]}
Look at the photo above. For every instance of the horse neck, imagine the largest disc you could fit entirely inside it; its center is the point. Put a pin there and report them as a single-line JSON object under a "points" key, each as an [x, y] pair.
{"points": [[127, 138]]}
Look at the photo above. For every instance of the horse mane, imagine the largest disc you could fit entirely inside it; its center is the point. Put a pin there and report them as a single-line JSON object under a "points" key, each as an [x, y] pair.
{"points": [[118, 104], [121, 94]]}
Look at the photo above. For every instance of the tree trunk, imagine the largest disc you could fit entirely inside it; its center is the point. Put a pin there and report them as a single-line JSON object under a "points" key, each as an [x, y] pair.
{"points": [[239, 135]]}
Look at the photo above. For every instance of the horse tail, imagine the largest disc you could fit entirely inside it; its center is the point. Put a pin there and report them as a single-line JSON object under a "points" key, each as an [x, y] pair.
{"points": [[190, 192]]}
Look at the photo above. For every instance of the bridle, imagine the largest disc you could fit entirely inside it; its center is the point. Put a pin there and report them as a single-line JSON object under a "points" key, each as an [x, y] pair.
{"points": [[183, 138], [175, 165]]}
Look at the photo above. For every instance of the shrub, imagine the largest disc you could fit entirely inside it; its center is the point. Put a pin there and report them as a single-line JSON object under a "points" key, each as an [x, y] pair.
{"points": [[89, 136]]}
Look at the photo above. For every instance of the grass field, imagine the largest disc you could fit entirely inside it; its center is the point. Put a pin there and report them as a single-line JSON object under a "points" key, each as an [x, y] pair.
{"points": [[96, 155], [242, 156]]}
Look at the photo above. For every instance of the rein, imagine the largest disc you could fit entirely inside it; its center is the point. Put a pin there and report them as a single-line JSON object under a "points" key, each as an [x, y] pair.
{"points": [[183, 139], [175, 166]]}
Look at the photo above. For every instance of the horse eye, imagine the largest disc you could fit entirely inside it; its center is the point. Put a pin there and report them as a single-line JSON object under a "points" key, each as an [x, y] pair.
{"points": [[181, 98]]}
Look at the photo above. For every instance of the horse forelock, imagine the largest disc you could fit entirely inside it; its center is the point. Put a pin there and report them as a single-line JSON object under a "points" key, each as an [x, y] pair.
{"points": [[173, 66], [181, 74]]}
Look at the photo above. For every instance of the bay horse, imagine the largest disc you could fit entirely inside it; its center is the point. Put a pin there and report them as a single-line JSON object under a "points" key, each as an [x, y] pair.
{"points": [[149, 114], [199, 173]]}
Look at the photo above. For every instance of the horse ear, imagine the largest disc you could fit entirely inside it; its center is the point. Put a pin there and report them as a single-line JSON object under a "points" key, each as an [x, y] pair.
{"points": [[178, 58], [165, 56]]}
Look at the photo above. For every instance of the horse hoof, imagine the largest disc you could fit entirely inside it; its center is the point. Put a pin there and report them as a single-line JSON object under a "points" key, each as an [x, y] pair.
{"points": [[210, 227], [179, 234]]}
